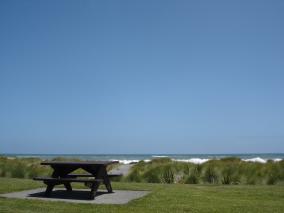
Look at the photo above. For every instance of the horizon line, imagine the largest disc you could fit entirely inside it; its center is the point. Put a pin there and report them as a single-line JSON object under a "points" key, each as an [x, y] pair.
{"points": [[251, 153]]}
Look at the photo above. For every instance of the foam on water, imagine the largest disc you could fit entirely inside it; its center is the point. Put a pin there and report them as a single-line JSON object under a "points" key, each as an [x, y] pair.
{"points": [[192, 160], [132, 158], [257, 160], [201, 161], [261, 160], [204, 160], [126, 161], [130, 161]]}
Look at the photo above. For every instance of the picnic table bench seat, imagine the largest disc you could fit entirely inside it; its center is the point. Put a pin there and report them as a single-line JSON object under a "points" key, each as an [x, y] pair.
{"points": [[90, 175], [51, 182], [68, 179]]}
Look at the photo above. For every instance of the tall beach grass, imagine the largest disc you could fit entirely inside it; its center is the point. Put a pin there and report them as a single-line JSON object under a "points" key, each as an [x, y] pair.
{"points": [[225, 171]]}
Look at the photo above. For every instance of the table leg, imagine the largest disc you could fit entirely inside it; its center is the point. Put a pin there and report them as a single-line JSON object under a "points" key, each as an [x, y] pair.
{"points": [[94, 189], [100, 172], [49, 189], [68, 186], [59, 171], [107, 184]]}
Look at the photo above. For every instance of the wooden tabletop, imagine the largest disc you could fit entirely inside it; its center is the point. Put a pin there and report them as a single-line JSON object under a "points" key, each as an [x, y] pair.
{"points": [[79, 163]]}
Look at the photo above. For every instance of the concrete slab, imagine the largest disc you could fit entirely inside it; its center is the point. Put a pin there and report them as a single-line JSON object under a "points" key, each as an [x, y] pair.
{"points": [[79, 196]]}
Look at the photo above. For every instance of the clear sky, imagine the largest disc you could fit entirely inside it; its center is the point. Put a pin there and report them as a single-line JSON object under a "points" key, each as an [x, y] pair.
{"points": [[151, 76]]}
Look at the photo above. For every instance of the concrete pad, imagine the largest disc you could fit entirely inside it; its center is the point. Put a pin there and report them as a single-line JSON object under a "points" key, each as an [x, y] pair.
{"points": [[79, 196]]}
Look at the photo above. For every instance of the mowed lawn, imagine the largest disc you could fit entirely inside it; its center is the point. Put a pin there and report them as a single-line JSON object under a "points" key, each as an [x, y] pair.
{"points": [[163, 198]]}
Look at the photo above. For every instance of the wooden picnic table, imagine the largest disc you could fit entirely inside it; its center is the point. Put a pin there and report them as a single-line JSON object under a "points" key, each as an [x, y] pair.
{"points": [[62, 174]]}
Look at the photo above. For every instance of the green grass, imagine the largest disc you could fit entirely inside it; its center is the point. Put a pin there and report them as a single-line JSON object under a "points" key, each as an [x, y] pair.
{"points": [[163, 198]]}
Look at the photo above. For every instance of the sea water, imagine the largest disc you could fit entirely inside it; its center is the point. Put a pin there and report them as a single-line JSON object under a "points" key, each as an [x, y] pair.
{"points": [[134, 158]]}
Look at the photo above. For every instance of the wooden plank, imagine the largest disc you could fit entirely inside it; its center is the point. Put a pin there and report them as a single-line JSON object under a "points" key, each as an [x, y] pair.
{"points": [[80, 175], [114, 175], [61, 180], [90, 175], [80, 163]]}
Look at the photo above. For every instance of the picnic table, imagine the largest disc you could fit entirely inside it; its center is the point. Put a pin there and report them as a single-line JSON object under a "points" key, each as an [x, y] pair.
{"points": [[62, 174]]}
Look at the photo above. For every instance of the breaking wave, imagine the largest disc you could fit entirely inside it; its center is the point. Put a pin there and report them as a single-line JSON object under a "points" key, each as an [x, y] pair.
{"points": [[192, 160], [198, 160]]}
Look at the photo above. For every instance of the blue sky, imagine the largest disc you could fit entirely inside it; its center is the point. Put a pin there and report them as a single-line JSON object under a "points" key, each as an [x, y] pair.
{"points": [[141, 76]]}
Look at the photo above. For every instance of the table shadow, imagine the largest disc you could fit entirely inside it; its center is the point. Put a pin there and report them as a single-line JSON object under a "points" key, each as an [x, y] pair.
{"points": [[67, 195]]}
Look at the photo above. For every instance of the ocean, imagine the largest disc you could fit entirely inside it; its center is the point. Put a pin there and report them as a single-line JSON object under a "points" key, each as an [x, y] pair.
{"points": [[134, 158]]}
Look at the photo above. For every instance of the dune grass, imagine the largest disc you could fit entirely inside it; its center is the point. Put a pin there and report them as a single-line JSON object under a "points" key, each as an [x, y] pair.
{"points": [[227, 171], [163, 198], [30, 167]]}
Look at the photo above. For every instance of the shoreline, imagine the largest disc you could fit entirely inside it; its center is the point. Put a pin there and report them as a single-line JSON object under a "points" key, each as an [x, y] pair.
{"points": [[133, 159]]}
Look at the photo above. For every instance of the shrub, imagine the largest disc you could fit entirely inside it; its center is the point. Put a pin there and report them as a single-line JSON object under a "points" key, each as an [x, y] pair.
{"points": [[230, 175], [2, 172], [152, 176], [160, 160], [18, 171], [65, 159], [210, 175], [273, 171], [272, 180], [167, 175], [134, 176], [164, 170], [192, 179], [194, 175], [230, 160]]}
